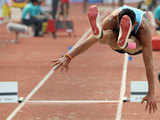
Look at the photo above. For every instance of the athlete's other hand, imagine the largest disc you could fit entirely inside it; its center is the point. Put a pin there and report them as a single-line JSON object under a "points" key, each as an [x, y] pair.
{"points": [[151, 104], [62, 62]]}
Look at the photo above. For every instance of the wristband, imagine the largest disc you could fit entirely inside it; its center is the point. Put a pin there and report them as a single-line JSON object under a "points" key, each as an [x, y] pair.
{"points": [[67, 55]]}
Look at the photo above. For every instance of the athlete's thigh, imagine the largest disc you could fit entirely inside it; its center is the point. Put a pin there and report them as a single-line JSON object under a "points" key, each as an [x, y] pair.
{"points": [[108, 36]]}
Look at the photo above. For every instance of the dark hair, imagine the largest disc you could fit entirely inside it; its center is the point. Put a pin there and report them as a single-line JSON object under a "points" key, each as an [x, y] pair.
{"points": [[128, 12], [34, 1]]}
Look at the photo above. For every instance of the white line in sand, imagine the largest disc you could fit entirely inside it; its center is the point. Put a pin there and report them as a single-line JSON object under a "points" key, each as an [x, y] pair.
{"points": [[123, 88]]}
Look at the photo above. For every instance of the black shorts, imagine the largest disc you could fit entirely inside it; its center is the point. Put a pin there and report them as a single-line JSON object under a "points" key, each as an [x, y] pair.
{"points": [[122, 52]]}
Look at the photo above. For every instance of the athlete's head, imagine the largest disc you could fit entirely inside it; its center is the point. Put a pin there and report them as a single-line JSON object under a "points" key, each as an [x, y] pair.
{"points": [[128, 12], [35, 2]]}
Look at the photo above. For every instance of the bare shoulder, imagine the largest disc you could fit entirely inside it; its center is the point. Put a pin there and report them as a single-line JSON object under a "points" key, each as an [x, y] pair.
{"points": [[144, 28]]}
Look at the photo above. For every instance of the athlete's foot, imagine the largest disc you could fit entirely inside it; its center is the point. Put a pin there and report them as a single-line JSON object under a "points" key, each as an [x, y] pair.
{"points": [[124, 32], [94, 19]]}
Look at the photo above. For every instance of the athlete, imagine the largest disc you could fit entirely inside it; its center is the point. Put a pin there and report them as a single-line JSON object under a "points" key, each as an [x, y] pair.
{"points": [[125, 30]]}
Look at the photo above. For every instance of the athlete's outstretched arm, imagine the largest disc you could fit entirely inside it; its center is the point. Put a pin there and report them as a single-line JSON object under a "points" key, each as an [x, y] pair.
{"points": [[79, 47], [145, 38], [82, 45]]}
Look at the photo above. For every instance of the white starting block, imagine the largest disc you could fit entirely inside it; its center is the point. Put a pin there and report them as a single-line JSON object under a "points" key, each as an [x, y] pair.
{"points": [[9, 92], [138, 90], [17, 28]]}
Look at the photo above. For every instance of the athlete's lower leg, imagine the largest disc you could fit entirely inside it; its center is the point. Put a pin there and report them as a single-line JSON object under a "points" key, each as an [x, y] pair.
{"points": [[95, 20]]}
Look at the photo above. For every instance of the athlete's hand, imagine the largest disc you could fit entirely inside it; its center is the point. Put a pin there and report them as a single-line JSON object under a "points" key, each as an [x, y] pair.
{"points": [[62, 63], [151, 104]]}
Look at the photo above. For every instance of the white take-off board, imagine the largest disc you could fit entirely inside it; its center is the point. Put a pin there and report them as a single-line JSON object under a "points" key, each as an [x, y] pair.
{"points": [[138, 90], [8, 92]]}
